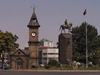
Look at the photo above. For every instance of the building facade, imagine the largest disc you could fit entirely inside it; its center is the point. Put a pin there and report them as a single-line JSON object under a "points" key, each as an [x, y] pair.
{"points": [[33, 42], [46, 43], [19, 59], [28, 58], [48, 53]]}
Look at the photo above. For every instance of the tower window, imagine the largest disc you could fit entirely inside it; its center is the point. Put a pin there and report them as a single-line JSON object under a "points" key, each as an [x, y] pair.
{"points": [[33, 20], [18, 52]]}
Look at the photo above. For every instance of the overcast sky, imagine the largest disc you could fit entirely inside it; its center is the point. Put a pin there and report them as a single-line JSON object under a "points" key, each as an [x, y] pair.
{"points": [[15, 16]]}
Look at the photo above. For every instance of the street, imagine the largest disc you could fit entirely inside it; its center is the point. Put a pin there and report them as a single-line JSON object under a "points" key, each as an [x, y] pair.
{"points": [[47, 72]]}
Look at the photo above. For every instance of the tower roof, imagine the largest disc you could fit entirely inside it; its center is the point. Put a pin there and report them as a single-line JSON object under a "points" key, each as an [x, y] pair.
{"points": [[33, 21]]}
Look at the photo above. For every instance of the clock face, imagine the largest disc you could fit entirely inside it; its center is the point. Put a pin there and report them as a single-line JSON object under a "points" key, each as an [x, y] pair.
{"points": [[33, 33]]}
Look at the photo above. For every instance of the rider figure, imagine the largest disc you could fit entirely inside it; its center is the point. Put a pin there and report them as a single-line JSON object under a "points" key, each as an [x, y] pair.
{"points": [[66, 22]]}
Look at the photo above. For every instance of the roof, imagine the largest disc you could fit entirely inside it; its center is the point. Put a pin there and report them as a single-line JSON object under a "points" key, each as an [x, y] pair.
{"points": [[33, 21], [45, 40], [26, 52]]}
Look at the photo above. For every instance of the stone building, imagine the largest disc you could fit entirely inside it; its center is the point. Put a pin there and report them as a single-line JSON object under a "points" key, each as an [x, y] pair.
{"points": [[19, 59], [28, 58]]}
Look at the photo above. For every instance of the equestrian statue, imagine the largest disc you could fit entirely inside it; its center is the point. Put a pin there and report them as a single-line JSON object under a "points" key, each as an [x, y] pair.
{"points": [[65, 26]]}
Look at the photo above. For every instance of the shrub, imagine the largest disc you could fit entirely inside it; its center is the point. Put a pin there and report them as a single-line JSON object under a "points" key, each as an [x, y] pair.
{"points": [[53, 63], [47, 66]]}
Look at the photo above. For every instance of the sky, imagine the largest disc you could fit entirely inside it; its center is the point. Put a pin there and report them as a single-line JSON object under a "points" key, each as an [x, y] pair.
{"points": [[15, 16]]}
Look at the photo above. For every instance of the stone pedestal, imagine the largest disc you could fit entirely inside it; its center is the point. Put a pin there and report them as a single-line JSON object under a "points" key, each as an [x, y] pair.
{"points": [[65, 48]]}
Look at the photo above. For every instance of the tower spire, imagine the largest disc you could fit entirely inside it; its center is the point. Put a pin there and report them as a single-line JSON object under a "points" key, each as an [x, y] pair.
{"points": [[33, 20]]}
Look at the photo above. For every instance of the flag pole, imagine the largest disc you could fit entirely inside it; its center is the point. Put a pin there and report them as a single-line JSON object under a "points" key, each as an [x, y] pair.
{"points": [[86, 46], [86, 42], [85, 12]]}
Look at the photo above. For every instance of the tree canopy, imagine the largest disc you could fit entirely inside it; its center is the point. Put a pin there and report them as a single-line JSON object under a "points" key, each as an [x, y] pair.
{"points": [[8, 41], [79, 43]]}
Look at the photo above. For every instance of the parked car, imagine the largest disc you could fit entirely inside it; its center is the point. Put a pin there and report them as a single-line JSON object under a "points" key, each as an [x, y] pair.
{"points": [[42, 65], [6, 66]]}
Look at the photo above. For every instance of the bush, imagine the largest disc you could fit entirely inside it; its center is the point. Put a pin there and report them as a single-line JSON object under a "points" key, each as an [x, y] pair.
{"points": [[53, 63], [47, 66]]}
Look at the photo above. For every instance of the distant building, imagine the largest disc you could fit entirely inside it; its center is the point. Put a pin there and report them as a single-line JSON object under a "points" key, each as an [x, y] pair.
{"points": [[46, 43], [47, 52]]}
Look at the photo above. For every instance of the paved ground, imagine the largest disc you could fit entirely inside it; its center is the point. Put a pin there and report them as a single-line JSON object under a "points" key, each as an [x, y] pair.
{"points": [[55, 70], [47, 72], [50, 72]]}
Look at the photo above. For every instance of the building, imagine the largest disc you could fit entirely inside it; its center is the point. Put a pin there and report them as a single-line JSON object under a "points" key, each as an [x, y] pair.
{"points": [[19, 59], [28, 58], [33, 42], [46, 43], [47, 52]]}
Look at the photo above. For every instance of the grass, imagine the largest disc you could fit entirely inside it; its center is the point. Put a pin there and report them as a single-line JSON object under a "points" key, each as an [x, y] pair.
{"points": [[89, 68], [64, 67]]}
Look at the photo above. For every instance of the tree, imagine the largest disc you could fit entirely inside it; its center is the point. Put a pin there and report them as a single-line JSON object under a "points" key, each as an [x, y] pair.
{"points": [[8, 41], [79, 43]]}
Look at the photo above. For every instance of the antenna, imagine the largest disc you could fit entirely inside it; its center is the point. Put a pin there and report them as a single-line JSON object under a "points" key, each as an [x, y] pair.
{"points": [[33, 7]]}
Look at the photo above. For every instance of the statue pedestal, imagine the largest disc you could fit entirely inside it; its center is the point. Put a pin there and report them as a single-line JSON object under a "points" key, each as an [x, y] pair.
{"points": [[65, 48]]}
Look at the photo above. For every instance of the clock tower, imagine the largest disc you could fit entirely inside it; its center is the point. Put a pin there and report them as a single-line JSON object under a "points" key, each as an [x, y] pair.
{"points": [[33, 40]]}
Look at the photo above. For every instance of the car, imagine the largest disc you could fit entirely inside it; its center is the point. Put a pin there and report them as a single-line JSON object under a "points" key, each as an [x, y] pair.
{"points": [[5, 66], [42, 65]]}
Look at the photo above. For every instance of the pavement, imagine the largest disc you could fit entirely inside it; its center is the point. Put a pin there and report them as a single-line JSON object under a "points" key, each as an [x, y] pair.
{"points": [[55, 70]]}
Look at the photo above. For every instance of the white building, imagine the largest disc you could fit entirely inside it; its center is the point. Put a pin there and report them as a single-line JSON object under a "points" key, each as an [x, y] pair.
{"points": [[48, 53], [46, 43]]}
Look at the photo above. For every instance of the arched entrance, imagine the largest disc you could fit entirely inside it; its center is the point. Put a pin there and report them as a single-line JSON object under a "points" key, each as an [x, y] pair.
{"points": [[19, 63]]}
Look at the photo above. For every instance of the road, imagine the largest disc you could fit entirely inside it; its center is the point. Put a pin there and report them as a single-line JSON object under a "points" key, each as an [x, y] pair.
{"points": [[7, 72]]}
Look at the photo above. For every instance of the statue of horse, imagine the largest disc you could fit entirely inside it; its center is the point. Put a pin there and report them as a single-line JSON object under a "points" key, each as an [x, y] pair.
{"points": [[65, 26]]}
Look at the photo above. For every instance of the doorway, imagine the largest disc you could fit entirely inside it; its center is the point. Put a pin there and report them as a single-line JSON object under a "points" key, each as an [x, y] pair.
{"points": [[19, 63]]}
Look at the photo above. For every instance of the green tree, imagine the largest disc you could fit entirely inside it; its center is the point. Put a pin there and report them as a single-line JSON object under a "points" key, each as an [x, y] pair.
{"points": [[53, 62], [8, 40], [79, 43]]}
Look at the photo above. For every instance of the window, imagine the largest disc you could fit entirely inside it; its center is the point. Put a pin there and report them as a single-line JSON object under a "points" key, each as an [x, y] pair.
{"points": [[52, 53], [18, 52], [44, 53]]}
